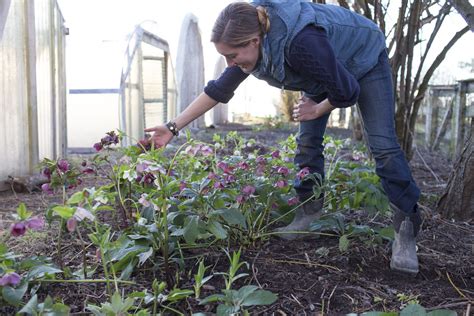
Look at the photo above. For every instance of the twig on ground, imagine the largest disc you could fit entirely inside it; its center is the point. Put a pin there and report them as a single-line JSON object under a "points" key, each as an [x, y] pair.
{"points": [[426, 165]]}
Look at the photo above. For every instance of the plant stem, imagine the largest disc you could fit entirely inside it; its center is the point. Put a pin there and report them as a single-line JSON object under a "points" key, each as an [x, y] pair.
{"points": [[81, 281]]}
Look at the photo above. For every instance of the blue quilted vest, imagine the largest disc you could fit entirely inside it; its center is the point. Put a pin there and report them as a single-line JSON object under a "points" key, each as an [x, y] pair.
{"points": [[357, 42]]}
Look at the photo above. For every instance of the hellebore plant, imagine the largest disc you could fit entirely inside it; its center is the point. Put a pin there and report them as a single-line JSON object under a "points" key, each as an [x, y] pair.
{"points": [[25, 221]]}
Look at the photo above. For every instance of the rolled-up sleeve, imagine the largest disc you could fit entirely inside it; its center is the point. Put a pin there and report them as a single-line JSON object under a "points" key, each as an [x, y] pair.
{"points": [[222, 89], [312, 56]]}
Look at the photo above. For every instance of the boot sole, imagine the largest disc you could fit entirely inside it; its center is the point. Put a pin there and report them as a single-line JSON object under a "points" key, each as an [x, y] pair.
{"points": [[403, 269]]}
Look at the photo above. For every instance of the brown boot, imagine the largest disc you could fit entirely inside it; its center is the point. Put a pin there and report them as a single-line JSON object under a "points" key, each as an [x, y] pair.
{"points": [[304, 216], [404, 258]]}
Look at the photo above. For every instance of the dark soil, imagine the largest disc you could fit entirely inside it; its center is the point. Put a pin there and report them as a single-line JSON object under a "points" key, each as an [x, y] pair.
{"points": [[308, 280]]}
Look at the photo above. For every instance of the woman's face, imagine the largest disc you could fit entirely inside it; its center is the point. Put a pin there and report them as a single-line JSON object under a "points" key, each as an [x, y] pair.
{"points": [[245, 57]]}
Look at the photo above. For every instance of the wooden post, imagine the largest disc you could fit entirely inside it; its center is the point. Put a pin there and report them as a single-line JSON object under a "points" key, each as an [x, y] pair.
{"points": [[428, 116], [459, 114]]}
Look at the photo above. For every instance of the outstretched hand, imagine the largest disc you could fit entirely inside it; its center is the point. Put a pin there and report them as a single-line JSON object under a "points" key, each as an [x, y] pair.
{"points": [[161, 136], [307, 109]]}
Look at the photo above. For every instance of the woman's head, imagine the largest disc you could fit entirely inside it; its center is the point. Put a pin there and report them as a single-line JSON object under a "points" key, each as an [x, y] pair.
{"points": [[237, 34]]}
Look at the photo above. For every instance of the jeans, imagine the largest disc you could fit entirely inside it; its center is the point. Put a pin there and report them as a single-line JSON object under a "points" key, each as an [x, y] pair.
{"points": [[376, 103]]}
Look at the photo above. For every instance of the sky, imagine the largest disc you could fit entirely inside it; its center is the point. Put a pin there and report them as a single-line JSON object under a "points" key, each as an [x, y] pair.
{"points": [[98, 29]]}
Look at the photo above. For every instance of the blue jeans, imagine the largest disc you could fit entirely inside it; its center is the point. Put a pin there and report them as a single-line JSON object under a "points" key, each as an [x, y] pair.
{"points": [[376, 103]]}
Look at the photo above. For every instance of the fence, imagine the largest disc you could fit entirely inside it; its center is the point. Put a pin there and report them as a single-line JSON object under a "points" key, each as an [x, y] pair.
{"points": [[446, 115]]}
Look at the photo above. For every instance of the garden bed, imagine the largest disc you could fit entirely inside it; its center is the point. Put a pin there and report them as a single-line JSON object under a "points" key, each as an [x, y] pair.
{"points": [[311, 275]]}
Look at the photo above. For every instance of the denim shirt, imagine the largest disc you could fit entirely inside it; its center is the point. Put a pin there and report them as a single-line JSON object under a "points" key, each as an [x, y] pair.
{"points": [[357, 42]]}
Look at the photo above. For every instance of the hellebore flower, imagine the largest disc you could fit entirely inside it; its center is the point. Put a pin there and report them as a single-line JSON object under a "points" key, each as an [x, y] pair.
{"points": [[230, 178], [293, 201], [35, 223], [219, 185], [47, 173], [98, 146], [182, 186], [18, 229], [248, 190], [224, 167], [243, 165], [261, 160], [283, 170], [302, 173], [281, 184], [276, 154], [63, 165], [206, 151], [241, 199], [212, 176], [11, 278], [71, 224], [46, 188]]}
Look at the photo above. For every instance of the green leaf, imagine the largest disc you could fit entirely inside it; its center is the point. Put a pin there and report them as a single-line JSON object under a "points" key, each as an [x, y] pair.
{"points": [[260, 297], [65, 212], [191, 230], [76, 198], [387, 233], [177, 294], [211, 299], [144, 256], [245, 291], [232, 216], [224, 310], [344, 243], [216, 229], [14, 295], [31, 306], [413, 310], [40, 271], [22, 212]]}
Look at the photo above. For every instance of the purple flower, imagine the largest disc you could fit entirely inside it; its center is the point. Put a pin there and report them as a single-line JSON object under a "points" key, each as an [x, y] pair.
{"points": [[63, 165], [241, 199], [281, 184], [261, 160], [47, 188], [219, 185], [224, 167], [248, 190], [293, 201], [35, 223], [283, 170], [230, 178], [302, 173], [276, 154], [212, 176], [71, 224], [243, 165], [182, 186], [206, 151], [141, 167], [148, 178], [11, 278], [88, 170], [98, 146], [18, 229], [47, 173]]}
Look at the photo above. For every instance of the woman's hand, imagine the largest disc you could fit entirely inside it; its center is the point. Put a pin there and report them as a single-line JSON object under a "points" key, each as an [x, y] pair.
{"points": [[307, 109], [161, 136]]}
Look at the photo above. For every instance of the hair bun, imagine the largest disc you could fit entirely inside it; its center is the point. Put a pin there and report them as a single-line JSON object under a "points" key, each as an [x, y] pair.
{"points": [[263, 19]]}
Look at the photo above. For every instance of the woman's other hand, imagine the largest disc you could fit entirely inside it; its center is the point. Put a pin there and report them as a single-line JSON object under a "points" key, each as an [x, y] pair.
{"points": [[307, 109], [161, 136]]}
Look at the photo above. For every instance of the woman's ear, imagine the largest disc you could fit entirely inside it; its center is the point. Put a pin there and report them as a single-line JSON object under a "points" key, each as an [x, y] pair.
{"points": [[255, 41]]}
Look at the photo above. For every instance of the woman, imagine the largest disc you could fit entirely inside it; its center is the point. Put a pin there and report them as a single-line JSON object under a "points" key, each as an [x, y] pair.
{"points": [[337, 58]]}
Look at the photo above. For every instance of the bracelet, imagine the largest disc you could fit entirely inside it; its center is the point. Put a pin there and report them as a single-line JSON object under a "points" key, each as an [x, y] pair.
{"points": [[172, 128]]}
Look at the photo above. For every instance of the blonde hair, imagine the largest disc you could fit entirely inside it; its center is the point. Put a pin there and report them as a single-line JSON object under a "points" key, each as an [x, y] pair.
{"points": [[238, 23]]}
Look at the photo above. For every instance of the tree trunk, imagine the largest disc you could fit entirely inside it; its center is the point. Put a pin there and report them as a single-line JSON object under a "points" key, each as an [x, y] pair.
{"points": [[458, 199]]}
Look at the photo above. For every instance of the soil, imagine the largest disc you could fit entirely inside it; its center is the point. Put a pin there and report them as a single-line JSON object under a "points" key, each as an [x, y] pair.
{"points": [[311, 276]]}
